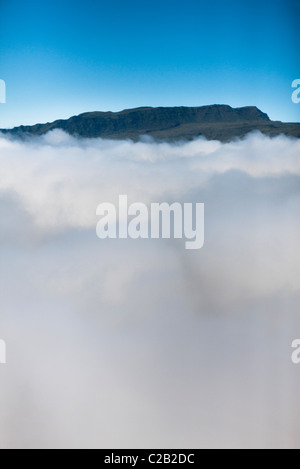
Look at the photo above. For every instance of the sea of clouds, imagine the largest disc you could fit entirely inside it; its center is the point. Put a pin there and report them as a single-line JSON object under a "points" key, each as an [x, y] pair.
{"points": [[123, 343]]}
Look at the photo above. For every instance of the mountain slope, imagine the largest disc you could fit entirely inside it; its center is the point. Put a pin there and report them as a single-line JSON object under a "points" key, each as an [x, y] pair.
{"points": [[218, 122]]}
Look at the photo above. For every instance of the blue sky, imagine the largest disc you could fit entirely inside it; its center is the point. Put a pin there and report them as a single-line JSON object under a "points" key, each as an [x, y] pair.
{"points": [[65, 57]]}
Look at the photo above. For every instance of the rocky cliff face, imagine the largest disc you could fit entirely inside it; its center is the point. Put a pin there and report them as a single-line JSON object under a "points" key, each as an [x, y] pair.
{"points": [[218, 122]]}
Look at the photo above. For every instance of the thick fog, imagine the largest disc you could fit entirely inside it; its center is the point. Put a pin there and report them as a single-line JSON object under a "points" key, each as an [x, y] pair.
{"points": [[141, 343]]}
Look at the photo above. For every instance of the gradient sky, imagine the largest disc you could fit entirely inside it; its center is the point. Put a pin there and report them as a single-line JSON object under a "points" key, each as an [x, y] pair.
{"points": [[65, 57]]}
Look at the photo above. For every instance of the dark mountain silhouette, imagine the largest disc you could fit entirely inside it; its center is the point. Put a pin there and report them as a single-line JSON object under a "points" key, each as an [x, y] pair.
{"points": [[218, 122]]}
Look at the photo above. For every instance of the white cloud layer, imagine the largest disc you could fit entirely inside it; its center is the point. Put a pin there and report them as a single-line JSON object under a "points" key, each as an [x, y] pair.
{"points": [[123, 343]]}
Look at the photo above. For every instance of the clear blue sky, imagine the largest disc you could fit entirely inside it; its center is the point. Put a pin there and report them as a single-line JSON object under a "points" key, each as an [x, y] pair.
{"points": [[65, 57]]}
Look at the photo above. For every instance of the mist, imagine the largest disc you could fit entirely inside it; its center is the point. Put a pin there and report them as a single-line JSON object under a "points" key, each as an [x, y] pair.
{"points": [[141, 343]]}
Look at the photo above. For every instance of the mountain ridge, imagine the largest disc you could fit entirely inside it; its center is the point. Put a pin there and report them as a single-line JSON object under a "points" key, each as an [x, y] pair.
{"points": [[215, 122]]}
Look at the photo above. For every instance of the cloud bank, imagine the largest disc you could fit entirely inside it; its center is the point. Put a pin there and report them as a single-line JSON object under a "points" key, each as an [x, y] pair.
{"points": [[123, 343]]}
